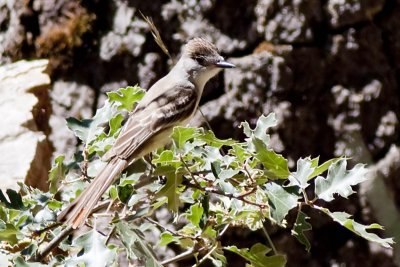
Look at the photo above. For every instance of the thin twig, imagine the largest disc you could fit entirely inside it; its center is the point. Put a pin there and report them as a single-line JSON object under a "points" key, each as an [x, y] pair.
{"points": [[182, 256], [206, 256], [187, 168], [269, 240], [85, 163], [165, 229], [110, 234], [223, 231], [216, 191], [40, 255], [209, 127]]}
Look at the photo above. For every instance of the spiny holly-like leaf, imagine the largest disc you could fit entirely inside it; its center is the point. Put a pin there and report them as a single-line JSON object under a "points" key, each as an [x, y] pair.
{"points": [[57, 174], [339, 180], [257, 256], [280, 201], [79, 127], [136, 245], [181, 135], [170, 190], [88, 130], [96, 253], [321, 168], [14, 200], [127, 97], [300, 226], [166, 238], [260, 131], [300, 176], [276, 165], [344, 219], [9, 233], [115, 124], [195, 214], [210, 139]]}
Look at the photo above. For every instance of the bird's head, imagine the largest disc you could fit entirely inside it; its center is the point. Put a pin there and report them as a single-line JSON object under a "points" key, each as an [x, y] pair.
{"points": [[202, 60]]}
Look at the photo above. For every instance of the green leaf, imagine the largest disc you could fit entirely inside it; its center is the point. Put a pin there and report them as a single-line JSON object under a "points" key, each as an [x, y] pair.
{"points": [[240, 152], [260, 131], [115, 124], [166, 238], [280, 201], [95, 252], [9, 233], [126, 97], [304, 170], [57, 173], [181, 135], [88, 130], [228, 173], [339, 180], [14, 200], [195, 215], [211, 140], [125, 192], [136, 245], [170, 190], [257, 256], [276, 165], [165, 157], [344, 219], [79, 127], [300, 226], [322, 168]]}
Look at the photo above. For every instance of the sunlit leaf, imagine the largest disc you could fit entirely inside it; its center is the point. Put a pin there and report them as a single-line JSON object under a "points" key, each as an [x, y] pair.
{"points": [[276, 165], [322, 168], [170, 190], [136, 245], [166, 238], [339, 180], [87, 130], [9, 232], [260, 131], [195, 214], [57, 174], [281, 201], [257, 256], [300, 176], [181, 135], [126, 97], [344, 219]]}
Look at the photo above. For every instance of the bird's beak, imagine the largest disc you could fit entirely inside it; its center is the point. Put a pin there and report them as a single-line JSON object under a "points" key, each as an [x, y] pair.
{"points": [[225, 65]]}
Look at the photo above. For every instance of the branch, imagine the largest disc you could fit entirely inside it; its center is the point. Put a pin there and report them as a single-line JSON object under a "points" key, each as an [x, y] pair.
{"points": [[216, 191], [40, 255], [182, 256]]}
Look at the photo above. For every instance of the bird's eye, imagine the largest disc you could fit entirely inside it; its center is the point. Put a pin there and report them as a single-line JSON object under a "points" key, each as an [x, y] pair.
{"points": [[200, 60]]}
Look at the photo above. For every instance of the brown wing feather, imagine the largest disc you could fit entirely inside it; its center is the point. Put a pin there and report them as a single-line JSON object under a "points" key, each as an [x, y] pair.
{"points": [[172, 106]]}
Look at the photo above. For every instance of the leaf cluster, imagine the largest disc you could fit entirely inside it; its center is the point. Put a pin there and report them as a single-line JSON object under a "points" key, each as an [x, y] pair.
{"points": [[208, 184]]}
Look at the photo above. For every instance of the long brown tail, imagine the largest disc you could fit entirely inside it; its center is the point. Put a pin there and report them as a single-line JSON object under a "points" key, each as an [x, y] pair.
{"points": [[77, 212]]}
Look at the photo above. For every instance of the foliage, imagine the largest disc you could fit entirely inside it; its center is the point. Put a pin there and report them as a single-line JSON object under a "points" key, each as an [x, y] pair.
{"points": [[208, 184]]}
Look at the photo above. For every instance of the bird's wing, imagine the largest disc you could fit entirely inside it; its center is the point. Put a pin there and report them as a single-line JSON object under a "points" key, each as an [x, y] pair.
{"points": [[165, 111]]}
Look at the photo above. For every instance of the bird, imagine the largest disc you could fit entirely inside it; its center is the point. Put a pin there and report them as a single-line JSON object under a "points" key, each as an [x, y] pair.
{"points": [[171, 101]]}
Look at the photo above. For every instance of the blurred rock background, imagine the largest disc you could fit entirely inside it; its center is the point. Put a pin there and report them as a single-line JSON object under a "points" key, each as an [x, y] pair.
{"points": [[329, 69]]}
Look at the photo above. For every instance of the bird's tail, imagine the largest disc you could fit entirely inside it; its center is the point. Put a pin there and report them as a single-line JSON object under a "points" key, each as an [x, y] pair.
{"points": [[77, 212]]}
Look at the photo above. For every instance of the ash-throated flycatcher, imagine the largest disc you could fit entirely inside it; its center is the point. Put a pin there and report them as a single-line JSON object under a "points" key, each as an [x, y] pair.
{"points": [[171, 101]]}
